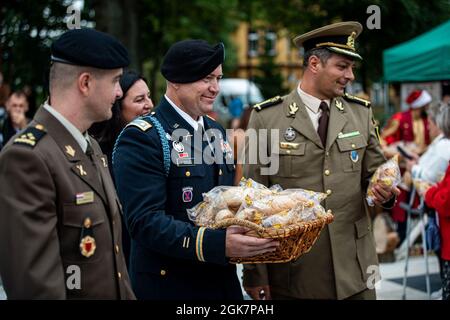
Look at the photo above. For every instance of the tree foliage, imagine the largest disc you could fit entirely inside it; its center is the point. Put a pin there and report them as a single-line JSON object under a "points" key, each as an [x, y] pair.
{"points": [[149, 27]]}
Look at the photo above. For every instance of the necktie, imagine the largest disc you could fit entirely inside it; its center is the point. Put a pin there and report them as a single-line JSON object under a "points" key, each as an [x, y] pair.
{"points": [[90, 154], [323, 123]]}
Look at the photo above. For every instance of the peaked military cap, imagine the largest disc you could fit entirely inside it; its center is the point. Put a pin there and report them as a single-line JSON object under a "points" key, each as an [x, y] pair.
{"points": [[191, 60], [337, 37], [91, 48]]}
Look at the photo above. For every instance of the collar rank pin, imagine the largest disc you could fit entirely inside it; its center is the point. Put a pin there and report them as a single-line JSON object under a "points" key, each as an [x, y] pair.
{"points": [[70, 151], [293, 108], [339, 105], [87, 242]]}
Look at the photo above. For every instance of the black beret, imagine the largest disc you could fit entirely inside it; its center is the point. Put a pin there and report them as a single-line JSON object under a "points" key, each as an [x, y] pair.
{"points": [[91, 48], [191, 60]]}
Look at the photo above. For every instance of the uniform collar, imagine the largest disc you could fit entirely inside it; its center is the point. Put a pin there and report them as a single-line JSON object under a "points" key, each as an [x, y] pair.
{"points": [[311, 102], [194, 124], [81, 139]]}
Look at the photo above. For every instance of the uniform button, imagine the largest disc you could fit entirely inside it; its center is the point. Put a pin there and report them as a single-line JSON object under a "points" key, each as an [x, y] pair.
{"points": [[163, 272], [327, 153], [188, 173], [119, 275], [329, 211], [327, 172], [288, 151], [328, 192], [353, 146], [368, 228], [220, 172], [117, 249]]}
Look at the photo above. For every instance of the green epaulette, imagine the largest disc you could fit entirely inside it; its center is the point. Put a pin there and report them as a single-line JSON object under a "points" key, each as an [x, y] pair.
{"points": [[31, 136], [270, 102], [358, 100], [141, 124]]}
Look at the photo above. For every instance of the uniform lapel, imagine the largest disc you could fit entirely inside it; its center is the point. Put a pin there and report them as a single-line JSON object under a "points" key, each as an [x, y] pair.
{"points": [[302, 122], [110, 192], [80, 164], [337, 121]]}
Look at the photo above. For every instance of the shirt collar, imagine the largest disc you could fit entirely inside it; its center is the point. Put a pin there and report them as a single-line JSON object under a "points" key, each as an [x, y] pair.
{"points": [[310, 101], [81, 139], [194, 123]]}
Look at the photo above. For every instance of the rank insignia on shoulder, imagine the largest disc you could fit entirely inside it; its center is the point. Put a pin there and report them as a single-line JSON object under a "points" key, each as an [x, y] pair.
{"points": [[270, 102], [30, 136], [358, 100], [141, 124]]}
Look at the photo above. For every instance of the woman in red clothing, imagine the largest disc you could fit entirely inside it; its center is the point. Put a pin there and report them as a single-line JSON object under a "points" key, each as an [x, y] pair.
{"points": [[438, 197]]}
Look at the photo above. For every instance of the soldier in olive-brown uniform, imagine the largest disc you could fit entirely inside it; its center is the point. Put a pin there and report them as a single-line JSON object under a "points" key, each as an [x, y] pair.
{"points": [[60, 225], [327, 143]]}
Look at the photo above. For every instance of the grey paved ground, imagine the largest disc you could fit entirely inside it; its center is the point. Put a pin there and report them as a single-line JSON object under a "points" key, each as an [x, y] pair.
{"points": [[390, 287]]}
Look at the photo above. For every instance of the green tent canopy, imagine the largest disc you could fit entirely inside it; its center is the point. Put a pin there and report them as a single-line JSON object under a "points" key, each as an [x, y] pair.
{"points": [[424, 58]]}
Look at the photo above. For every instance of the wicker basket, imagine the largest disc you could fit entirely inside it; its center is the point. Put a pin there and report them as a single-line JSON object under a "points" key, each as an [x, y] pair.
{"points": [[295, 240]]}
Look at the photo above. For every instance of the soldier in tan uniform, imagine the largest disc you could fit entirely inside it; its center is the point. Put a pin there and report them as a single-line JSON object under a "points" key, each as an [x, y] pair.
{"points": [[60, 225], [327, 143]]}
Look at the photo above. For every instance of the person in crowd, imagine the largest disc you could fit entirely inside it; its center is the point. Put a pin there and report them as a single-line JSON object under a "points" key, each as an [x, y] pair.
{"points": [[15, 119], [135, 102]]}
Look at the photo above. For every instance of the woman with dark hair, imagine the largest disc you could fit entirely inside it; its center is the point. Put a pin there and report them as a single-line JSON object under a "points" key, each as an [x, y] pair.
{"points": [[134, 102]]}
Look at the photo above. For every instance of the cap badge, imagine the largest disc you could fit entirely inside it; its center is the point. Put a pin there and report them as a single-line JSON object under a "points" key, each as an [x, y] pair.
{"points": [[351, 40], [290, 134]]}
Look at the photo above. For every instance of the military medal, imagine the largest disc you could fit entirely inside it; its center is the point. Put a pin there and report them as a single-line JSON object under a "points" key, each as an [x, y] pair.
{"points": [[187, 194], [290, 134], [178, 146], [87, 242], [354, 156]]}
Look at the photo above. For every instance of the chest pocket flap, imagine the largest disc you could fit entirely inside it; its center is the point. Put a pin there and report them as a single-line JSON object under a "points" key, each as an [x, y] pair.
{"points": [[351, 143], [187, 171], [290, 148]]}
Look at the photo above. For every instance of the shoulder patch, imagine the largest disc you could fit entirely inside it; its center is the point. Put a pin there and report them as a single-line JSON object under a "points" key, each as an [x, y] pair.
{"points": [[268, 103], [357, 100], [140, 123], [31, 136]]}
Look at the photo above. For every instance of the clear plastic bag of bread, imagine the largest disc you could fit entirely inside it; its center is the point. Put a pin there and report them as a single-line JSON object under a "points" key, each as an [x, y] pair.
{"points": [[388, 174], [223, 202], [283, 208]]}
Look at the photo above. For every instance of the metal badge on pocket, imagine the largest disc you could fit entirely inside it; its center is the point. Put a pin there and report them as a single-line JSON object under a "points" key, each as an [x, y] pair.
{"points": [[354, 156]]}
